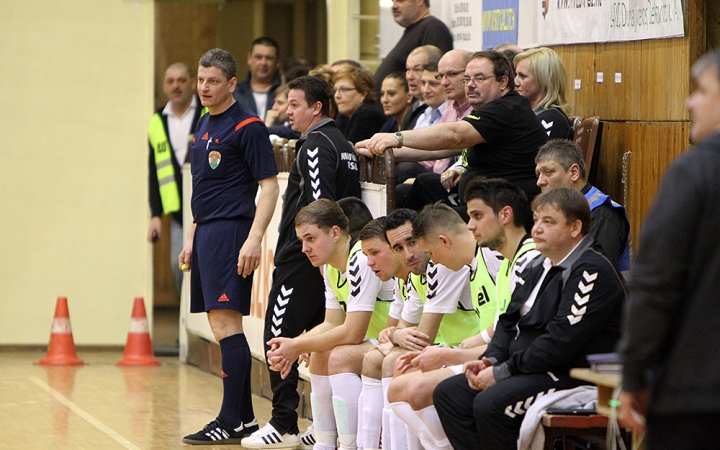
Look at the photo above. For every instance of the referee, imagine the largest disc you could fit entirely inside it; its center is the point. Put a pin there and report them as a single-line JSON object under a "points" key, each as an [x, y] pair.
{"points": [[230, 156]]}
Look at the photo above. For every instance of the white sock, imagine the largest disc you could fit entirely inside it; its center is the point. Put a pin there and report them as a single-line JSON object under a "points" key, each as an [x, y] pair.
{"points": [[358, 437], [386, 412], [413, 441], [346, 388], [317, 446], [323, 414], [372, 406], [398, 437], [430, 418], [415, 426]]}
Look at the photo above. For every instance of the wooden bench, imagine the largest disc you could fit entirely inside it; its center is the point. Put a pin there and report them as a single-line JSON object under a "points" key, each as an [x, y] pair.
{"points": [[380, 170], [570, 429]]}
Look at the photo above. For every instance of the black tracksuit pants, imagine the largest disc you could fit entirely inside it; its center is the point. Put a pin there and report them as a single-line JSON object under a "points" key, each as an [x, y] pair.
{"points": [[296, 304], [491, 419]]}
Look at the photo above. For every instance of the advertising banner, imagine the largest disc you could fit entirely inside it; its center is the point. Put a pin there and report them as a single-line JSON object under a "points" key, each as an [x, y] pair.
{"points": [[499, 22], [582, 21]]}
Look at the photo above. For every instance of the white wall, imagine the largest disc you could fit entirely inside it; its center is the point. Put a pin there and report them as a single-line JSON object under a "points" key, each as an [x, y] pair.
{"points": [[76, 88]]}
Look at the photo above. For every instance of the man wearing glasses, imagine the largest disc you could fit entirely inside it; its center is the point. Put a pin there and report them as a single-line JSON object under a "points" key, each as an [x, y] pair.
{"points": [[502, 134]]}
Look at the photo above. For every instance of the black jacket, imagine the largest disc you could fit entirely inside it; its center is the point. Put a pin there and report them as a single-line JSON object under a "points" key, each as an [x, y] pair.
{"points": [[325, 167], [576, 313], [671, 336]]}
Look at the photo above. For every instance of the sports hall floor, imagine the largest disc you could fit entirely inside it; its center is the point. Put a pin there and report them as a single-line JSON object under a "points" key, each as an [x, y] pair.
{"points": [[102, 406]]}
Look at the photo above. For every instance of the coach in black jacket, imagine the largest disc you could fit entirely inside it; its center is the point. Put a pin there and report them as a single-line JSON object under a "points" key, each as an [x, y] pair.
{"points": [[569, 306], [325, 167]]}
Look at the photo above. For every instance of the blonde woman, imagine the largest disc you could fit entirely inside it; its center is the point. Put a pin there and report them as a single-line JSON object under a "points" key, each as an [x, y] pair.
{"points": [[541, 78]]}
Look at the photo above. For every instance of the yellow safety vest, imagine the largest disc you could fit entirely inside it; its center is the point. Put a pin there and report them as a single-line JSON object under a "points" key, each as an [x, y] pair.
{"points": [[169, 190]]}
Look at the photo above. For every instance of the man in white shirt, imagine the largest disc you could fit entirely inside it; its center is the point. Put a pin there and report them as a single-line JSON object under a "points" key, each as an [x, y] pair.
{"points": [[170, 132]]}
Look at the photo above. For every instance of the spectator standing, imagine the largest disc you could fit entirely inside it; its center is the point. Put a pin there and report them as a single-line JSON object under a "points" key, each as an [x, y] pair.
{"points": [[170, 132], [421, 28], [255, 92]]}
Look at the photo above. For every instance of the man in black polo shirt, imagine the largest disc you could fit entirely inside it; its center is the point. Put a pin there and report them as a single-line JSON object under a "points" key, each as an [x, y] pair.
{"points": [[502, 134]]}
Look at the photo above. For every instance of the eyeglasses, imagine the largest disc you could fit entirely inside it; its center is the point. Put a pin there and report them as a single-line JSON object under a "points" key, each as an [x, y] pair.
{"points": [[343, 90], [475, 80], [449, 74]]}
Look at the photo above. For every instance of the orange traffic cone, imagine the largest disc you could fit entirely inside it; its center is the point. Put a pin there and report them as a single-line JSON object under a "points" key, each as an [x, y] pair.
{"points": [[138, 349], [61, 351]]}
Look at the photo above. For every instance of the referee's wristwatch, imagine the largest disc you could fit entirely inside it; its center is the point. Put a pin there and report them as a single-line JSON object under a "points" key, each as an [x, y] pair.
{"points": [[399, 137]]}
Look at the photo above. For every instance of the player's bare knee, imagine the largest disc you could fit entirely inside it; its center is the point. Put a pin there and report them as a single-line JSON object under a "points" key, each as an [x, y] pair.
{"points": [[422, 388], [341, 360], [372, 364], [397, 389], [388, 364]]}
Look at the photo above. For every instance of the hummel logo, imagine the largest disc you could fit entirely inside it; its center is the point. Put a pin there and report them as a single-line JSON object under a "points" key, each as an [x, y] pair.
{"points": [[588, 277], [312, 153], [432, 272], [548, 126], [354, 270], [581, 300], [585, 288], [223, 298]]}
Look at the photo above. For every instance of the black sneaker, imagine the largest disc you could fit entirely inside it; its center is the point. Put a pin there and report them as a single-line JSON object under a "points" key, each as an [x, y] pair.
{"points": [[250, 428], [216, 433]]}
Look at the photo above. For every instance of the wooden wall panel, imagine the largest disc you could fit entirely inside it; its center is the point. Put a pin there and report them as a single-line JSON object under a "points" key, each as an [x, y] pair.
{"points": [[624, 100], [654, 145], [713, 25], [579, 64], [665, 79], [183, 32]]}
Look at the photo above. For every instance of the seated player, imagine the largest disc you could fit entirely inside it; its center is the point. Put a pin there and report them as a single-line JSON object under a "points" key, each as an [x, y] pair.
{"points": [[438, 309], [357, 304], [494, 223]]}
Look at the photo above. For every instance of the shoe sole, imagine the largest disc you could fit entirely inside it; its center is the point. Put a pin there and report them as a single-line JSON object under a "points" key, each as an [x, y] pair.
{"points": [[232, 441], [272, 446]]}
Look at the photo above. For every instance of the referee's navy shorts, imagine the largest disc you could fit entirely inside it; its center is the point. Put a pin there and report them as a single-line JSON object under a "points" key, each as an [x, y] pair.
{"points": [[214, 280]]}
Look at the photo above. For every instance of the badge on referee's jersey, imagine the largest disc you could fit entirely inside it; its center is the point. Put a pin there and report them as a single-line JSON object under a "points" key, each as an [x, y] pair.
{"points": [[214, 159]]}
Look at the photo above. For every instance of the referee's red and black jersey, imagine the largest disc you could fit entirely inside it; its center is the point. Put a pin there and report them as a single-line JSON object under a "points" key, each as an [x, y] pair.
{"points": [[230, 153]]}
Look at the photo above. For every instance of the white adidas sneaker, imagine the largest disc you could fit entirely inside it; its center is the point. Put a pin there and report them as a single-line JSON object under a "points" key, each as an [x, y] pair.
{"points": [[268, 437], [307, 439]]}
